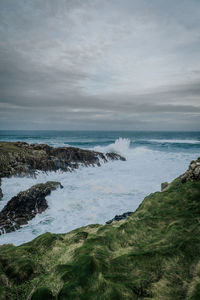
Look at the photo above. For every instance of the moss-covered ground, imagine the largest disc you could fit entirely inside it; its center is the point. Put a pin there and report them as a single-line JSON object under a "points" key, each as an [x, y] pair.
{"points": [[154, 254]]}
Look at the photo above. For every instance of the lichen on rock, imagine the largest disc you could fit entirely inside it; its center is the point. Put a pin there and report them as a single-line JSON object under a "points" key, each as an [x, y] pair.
{"points": [[193, 172]]}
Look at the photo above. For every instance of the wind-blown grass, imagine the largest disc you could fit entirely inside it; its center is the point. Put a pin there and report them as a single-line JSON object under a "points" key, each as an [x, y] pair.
{"points": [[154, 254]]}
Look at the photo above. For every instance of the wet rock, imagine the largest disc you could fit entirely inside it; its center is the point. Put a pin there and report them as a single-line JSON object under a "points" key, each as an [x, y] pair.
{"points": [[164, 185], [114, 156], [20, 158], [24, 207], [120, 217]]}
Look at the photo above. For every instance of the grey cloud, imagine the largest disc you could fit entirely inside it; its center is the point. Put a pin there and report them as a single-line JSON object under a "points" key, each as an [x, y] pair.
{"points": [[112, 64]]}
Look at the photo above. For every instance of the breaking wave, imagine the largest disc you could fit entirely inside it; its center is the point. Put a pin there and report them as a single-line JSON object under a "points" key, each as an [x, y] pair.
{"points": [[121, 146], [96, 195]]}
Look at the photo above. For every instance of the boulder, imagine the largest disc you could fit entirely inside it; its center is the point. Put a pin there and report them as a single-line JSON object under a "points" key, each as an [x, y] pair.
{"points": [[193, 172], [164, 185], [24, 207], [120, 217]]}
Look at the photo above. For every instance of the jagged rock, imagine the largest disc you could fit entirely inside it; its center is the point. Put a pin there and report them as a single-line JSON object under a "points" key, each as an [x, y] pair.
{"points": [[114, 156], [1, 193], [193, 172], [164, 185], [23, 207], [120, 217], [20, 158]]}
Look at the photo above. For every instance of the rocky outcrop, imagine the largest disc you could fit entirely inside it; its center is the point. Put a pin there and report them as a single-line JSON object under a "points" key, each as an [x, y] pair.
{"points": [[120, 217], [20, 158], [1, 193], [23, 207], [193, 172], [164, 185]]}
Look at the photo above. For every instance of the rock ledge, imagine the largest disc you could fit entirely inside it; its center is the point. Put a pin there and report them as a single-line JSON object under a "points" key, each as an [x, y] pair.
{"points": [[21, 159], [24, 207]]}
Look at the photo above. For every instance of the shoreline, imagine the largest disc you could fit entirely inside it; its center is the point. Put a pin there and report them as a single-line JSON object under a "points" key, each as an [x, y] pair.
{"points": [[152, 242]]}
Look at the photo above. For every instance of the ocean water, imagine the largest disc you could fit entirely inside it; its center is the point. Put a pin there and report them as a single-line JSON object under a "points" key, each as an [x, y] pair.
{"points": [[96, 194]]}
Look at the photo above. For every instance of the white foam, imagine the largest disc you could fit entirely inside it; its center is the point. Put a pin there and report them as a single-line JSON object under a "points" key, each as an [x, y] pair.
{"points": [[174, 141], [120, 146], [96, 194]]}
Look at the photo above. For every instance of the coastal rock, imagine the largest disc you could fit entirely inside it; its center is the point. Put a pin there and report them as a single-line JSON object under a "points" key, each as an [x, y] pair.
{"points": [[1, 193], [20, 158], [114, 156], [24, 207], [120, 217], [164, 185], [193, 172]]}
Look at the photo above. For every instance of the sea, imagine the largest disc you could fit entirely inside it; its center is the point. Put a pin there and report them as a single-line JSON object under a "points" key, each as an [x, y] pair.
{"points": [[94, 195]]}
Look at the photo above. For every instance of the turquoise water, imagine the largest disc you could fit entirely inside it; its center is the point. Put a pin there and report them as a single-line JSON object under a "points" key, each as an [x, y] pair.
{"points": [[162, 141], [97, 194]]}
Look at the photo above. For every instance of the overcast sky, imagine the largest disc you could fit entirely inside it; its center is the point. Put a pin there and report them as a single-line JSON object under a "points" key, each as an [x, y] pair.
{"points": [[100, 64]]}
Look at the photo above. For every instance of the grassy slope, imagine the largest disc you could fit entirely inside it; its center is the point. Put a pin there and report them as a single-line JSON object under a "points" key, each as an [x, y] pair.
{"points": [[154, 254]]}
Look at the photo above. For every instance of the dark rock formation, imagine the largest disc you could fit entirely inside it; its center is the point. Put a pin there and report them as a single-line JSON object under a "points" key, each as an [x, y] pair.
{"points": [[1, 193], [23, 207], [20, 158], [193, 172], [164, 185], [120, 217]]}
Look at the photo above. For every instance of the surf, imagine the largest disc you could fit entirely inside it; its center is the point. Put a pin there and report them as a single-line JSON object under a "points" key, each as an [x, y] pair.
{"points": [[96, 194]]}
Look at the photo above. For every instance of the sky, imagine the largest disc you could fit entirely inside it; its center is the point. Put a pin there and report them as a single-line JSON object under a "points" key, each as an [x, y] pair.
{"points": [[100, 64]]}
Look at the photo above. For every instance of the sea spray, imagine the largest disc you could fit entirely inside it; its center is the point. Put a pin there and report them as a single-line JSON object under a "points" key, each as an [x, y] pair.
{"points": [[121, 146], [97, 194]]}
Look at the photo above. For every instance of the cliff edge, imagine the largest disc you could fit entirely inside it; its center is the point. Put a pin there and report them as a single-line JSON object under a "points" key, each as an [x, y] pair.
{"points": [[152, 254]]}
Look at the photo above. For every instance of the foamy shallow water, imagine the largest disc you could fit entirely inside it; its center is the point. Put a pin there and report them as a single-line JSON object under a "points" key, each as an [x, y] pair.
{"points": [[96, 194]]}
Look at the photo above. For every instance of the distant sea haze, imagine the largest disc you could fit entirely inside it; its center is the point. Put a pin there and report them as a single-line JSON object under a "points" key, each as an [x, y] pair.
{"points": [[97, 194]]}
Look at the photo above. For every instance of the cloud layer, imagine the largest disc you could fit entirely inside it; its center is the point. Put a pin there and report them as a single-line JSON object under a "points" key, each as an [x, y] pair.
{"points": [[100, 64]]}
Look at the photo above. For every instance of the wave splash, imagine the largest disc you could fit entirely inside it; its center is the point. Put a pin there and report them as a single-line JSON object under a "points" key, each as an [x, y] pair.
{"points": [[94, 195], [121, 146]]}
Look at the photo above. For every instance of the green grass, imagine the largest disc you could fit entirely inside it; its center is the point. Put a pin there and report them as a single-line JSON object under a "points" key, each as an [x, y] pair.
{"points": [[154, 254]]}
